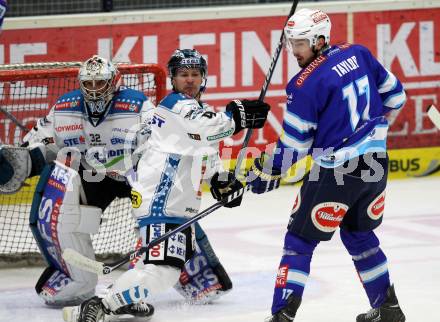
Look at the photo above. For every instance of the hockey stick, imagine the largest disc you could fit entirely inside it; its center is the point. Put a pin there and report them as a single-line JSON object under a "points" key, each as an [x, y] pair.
{"points": [[434, 115], [14, 119], [269, 74], [74, 258]]}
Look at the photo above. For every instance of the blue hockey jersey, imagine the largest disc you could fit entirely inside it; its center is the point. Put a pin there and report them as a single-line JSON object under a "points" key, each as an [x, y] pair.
{"points": [[336, 107]]}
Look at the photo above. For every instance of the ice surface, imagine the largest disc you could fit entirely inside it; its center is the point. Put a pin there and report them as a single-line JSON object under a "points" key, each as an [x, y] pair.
{"points": [[249, 240]]}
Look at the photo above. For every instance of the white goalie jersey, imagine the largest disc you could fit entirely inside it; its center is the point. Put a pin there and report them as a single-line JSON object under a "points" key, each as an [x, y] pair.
{"points": [[102, 147], [182, 152]]}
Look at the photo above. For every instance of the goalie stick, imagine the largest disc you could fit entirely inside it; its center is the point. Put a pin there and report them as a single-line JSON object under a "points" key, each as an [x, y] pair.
{"points": [[14, 119], [74, 258], [434, 115]]}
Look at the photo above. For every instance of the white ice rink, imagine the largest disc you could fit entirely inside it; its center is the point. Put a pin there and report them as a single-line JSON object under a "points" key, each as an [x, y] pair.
{"points": [[249, 239]]}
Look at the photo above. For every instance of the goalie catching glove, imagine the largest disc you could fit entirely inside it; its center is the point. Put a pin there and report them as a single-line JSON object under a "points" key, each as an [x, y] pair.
{"points": [[262, 176], [248, 114], [16, 165], [225, 184]]}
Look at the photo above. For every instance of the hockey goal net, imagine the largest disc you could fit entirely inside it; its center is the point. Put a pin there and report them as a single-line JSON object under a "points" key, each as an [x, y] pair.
{"points": [[27, 92]]}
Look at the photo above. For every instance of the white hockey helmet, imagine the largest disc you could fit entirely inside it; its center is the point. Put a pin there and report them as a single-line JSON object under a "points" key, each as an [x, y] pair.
{"points": [[308, 24], [95, 69]]}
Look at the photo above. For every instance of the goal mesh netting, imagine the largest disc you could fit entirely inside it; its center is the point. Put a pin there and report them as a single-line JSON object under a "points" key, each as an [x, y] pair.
{"points": [[27, 92]]}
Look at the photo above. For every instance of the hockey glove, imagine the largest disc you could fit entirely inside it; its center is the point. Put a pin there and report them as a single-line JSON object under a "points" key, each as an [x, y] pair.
{"points": [[263, 178], [248, 114], [225, 184]]}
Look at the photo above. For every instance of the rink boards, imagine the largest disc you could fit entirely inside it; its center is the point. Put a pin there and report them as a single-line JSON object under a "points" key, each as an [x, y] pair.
{"points": [[404, 163]]}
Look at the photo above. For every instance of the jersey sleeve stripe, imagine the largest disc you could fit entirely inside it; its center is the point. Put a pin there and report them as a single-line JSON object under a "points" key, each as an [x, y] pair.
{"points": [[302, 136], [292, 142], [299, 124], [389, 84], [395, 101]]}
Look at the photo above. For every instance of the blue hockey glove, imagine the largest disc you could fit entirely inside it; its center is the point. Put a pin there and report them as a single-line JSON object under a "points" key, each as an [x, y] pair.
{"points": [[263, 178], [224, 185], [6, 170]]}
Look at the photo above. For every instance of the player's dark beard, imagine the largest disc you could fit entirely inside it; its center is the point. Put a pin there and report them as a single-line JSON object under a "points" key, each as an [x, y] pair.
{"points": [[316, 54]]}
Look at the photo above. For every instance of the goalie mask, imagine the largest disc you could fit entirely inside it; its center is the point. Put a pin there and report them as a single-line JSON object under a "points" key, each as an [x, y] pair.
{"points": [[188, 58], [307, 24], [99, 79]]}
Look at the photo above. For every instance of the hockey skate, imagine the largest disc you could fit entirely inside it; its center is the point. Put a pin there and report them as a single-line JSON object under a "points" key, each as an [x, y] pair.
{"points": [[93, 310], [287, 314], [389, 311], [140, 310]]}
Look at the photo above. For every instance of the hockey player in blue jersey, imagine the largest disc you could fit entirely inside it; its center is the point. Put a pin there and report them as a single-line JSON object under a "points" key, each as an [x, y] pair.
{"points": [[336, 108]]}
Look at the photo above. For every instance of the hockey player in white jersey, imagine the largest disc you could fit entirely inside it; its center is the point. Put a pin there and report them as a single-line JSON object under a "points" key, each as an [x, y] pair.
{"points": [[87, 133], [181, 153]]}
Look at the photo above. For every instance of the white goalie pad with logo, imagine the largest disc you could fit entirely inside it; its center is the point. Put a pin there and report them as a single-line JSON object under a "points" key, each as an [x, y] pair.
{"points": [[59, 221], [21, 163]]}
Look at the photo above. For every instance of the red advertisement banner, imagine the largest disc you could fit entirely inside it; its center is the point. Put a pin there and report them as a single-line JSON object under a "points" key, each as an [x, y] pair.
{"points": [[238, 52]]}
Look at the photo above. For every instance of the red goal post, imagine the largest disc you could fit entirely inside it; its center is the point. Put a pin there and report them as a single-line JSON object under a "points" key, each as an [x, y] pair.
{"points": [[27, 92]]}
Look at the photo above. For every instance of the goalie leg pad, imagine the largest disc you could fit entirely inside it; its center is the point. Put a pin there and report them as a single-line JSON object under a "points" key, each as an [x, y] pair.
{"points": [[137, 284], [58, 221], [203, 278], [59, 290]]}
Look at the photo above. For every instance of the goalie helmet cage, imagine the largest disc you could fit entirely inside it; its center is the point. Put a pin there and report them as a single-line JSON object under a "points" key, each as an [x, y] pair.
{"points": [[27, 92]]}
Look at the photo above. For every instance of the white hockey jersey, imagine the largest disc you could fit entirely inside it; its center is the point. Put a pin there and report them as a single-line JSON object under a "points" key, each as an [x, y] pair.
{"points": [[182, 151], [102, 147]]}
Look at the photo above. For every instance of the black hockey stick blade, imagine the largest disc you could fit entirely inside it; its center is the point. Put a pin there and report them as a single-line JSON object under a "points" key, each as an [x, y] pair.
{"points": [[74, 258]]}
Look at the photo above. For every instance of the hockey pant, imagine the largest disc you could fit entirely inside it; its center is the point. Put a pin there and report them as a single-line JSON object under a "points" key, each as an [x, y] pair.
{"points": [[58, 221], [161, 267]]}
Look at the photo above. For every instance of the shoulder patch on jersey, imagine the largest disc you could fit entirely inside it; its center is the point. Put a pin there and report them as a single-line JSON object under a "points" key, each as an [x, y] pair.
{"points": [[344, 45], [70, 102], [309, 70], [127, 101], [336, 49]]}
